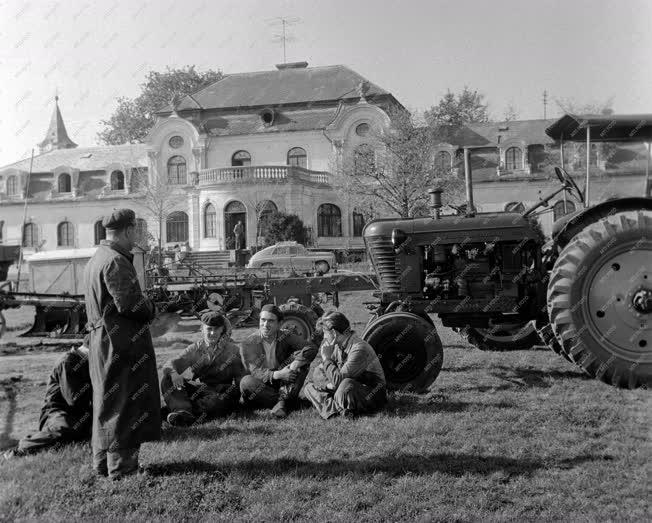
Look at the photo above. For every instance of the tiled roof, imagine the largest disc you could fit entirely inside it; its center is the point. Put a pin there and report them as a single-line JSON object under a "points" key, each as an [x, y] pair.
{"points": [[286, 120], [85, 158], [481, 134], [286, 86]]}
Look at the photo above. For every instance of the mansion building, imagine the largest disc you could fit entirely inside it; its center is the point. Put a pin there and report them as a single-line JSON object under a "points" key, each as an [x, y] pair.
{"points": [[253, 143]]}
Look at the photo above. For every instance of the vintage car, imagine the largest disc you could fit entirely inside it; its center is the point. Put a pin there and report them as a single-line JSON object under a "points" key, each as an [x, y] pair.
{"points": [[292, 255]]}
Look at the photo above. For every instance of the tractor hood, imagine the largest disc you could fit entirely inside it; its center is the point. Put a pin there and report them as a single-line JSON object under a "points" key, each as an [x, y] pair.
{"points": [[487, 227]]}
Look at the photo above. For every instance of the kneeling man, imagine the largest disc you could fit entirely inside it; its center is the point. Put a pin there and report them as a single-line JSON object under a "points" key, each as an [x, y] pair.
{"points": [[350, 379], [215, 362], [277, 361], [67, 413]]}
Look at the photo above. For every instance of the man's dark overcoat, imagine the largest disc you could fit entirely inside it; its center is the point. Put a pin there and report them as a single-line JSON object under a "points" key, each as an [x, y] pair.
{"points": [[122, 364]]}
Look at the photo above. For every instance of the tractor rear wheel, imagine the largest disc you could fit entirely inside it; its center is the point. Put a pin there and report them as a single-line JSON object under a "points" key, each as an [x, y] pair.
{"points": [[409, 350], [600, 299], [504, 337], [299, 318]]}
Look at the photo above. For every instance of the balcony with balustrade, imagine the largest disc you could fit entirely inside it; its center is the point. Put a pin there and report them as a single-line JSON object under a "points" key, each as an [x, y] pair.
{"points": [[262, 174]]}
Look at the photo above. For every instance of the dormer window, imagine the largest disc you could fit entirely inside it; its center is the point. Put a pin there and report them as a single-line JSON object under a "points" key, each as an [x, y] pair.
{"points": [[65, 183], [513, 159], [117, 181], [267, 116]]}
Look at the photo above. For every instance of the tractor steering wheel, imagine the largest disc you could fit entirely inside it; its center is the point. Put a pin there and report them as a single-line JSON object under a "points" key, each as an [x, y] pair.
{"points": [[569, 183]]}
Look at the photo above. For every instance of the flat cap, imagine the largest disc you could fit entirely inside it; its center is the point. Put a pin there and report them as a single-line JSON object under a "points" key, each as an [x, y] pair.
{"points": [[213, 319], [119, 219]]}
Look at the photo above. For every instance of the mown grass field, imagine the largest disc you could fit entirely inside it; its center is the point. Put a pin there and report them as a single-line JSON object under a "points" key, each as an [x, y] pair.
{"points": [[517, 436]]}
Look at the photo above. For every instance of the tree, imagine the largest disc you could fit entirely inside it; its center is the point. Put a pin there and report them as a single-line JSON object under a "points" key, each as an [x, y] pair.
{"points": [[457, 110], [393, 173], [159, 200], [511, 113], [285, 227], [133, 118]]}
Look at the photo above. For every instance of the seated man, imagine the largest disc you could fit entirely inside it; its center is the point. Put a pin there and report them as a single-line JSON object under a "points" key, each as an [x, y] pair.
{"points": [[350, 379], [278, 363], [215, 362], [67, 414]]}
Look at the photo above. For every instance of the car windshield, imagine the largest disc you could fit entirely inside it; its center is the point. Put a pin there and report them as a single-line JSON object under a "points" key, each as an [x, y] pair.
{"points": [[301, 249], [266, 250]]}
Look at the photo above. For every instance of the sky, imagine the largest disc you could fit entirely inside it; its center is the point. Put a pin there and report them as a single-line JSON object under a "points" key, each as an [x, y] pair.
{"points": [[90, 53]]}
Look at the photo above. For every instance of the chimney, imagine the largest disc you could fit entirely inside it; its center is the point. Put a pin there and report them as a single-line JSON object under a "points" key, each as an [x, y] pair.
{"points": [[292, 65]]}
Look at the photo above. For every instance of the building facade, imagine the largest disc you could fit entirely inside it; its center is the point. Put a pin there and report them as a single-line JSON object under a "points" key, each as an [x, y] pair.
{"points": [[253, 143]]}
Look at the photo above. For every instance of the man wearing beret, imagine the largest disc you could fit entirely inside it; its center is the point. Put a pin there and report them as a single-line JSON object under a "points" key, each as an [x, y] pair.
{"points": [[277, 361], [215, 362], [122, 364], [349, 379]]}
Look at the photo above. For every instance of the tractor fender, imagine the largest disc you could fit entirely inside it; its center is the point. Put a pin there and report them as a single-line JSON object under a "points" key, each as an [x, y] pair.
{"points": [[584, 217]]}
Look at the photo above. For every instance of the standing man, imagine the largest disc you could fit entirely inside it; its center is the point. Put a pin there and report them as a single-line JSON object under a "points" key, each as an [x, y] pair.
{"points": [[277, 361], [215, 362], [67, 411], [126, 398], [350, 379], [238, 230]]}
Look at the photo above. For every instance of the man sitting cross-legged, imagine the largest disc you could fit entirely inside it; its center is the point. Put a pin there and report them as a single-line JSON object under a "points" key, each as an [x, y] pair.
{"points": [[278, 362], [350, 379], [68, 409], [215, 362]]}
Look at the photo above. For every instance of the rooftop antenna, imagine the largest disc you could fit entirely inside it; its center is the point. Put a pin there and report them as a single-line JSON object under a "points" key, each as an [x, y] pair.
{"points": [[283, 23], [545, 104]]}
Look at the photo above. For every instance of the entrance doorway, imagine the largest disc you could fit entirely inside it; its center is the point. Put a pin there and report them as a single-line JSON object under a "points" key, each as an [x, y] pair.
{"points": [[235, 212]]}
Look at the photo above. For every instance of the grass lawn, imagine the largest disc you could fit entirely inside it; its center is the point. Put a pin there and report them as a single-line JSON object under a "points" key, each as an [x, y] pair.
{"points": [[516, 436]]}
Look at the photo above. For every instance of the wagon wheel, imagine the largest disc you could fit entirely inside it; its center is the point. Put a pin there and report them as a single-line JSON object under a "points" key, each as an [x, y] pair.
{"points": [[600, 299], [299, 319]]}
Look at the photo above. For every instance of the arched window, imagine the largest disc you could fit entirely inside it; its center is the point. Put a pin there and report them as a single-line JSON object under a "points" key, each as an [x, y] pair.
{"points": [[30, 235], [177, 227], [329, 220], [12, 186], [514, 207], [177, 170], [358, 223], [513, 159], [265, 210], [443, 162], [141, 233], [298, 157], [100, 232], [65, 184], [364, 160], [117, 181], [210, 217], [562, 208], [65, 235], [241, 159]]}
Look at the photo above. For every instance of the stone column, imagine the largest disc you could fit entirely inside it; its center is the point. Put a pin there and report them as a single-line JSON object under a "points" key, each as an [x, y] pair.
{"points": [[194, 220]]}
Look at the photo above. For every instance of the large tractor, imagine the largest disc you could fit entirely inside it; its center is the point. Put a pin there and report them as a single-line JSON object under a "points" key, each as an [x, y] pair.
{"points": [[587, 294]]}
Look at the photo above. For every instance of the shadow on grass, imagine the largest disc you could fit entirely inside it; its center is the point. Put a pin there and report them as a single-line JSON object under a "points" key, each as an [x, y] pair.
{"points": [[537, 377], [396, 465]]}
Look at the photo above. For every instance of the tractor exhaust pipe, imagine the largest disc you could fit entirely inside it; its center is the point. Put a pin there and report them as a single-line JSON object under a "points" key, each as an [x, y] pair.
{"points": [[470, 207]]}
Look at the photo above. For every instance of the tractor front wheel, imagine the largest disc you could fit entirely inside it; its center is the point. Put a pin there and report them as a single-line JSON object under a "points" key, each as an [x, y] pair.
{"points": [[408, 348], [600, 299]]}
